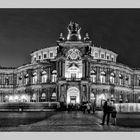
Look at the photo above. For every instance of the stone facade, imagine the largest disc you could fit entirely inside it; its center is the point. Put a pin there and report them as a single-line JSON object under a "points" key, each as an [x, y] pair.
{"points": [[74, 71]]}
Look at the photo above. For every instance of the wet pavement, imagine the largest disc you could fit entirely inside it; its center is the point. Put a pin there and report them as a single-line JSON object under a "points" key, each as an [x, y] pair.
{"points": [[68, 122], [8, 119]]}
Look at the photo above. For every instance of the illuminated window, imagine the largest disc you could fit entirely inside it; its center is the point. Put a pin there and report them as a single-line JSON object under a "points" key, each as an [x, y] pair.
{"points": [[39, 57], [54, 76], [43, 97], [20, 80], [44, 77], [102, 77], [34, 58], [112, 78], [93, 76], [45, 55], [127, 80], [107, 57], [34, 78], [73, 75], [34, 97], [26, 79], [112, 58], [96, 54], [120, 79], [51, 54], [7, 81], [102, 55]]}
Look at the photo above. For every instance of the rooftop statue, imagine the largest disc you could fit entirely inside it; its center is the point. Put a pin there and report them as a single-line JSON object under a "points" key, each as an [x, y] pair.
{"points": [[74, 32], [61, 38]]}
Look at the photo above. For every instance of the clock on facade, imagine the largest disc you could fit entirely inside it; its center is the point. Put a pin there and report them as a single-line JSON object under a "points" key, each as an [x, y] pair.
{"points": [[73, 54]]}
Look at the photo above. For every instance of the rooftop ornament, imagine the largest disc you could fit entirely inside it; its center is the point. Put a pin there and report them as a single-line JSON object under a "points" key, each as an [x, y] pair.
{"points": [[61, 38], [73, 32], [86, 38]]}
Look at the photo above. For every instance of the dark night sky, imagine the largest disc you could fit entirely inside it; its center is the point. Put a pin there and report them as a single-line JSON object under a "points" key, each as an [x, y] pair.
{"points": [[25, 30]]}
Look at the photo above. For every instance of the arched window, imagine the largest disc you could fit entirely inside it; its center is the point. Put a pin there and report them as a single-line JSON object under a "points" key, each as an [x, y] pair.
{"points": [[7, 80], [6, 99], [127, 80], [102, 77], [54, 76], [11, 99], [34, 78], [43, 97], [139, 99], [24, 98], [120, 79], [26, 79], [44, 77], [112, 78], [93, 76], [53, 98], [19, 80], [34, 97]]}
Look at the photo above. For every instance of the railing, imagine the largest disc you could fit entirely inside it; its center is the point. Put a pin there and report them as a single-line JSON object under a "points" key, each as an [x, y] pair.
{"points": [[73, 79], [128, 107]]}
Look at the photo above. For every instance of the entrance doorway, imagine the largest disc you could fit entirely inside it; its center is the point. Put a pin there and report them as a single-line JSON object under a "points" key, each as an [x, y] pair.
{"points": [[73, 99], [73, 95]]}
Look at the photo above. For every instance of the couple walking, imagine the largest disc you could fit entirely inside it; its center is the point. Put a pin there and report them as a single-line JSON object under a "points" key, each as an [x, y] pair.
{"points": [[109, 109]]}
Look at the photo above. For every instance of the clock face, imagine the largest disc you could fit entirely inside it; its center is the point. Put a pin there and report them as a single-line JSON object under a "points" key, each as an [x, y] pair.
{"points": [[73, 54]]}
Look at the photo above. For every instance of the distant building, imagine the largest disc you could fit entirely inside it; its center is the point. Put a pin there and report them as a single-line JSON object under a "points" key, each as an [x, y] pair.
{"points": [[73, 71]]}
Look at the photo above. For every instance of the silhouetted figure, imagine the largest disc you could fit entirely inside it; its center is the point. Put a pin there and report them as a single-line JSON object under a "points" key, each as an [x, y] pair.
{"points": [[93, 107], [113, 114], [84, 108], [88, 108], [107, 108]]}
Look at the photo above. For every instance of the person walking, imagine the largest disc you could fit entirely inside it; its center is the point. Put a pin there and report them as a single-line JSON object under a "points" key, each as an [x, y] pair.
{"points": [[107, 108], [88, 108], [93, 107]]}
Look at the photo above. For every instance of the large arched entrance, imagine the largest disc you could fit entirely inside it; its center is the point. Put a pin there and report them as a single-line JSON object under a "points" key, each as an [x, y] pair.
{"points": [[73, 95], [100, 100]]}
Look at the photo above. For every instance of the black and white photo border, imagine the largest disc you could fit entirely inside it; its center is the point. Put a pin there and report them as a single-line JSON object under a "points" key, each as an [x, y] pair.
{"points": [[69, 4]]}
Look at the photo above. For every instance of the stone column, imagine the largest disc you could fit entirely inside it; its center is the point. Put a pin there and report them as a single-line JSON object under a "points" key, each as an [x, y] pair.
{"points": [[98, 74], [117, 77], [63, 69], [57, 68], [59, 92], [56, 90], [81, 89], [87, 67], [60, 74], [88, 93], [108, 76], [83, 69]]}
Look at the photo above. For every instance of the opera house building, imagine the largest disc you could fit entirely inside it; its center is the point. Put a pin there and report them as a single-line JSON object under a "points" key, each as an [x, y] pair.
{"points": [[73, 71]]}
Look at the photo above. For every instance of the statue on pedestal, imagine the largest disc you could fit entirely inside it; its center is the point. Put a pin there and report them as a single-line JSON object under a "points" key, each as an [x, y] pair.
{"points": [[74, 32]]}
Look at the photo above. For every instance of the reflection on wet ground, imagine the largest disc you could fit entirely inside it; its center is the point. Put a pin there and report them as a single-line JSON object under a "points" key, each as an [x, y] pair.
{"points": [[57, 121], [8, 119]]}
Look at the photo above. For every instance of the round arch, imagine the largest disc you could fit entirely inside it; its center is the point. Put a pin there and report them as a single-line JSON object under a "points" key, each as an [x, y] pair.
{"points": [[73, 95]]}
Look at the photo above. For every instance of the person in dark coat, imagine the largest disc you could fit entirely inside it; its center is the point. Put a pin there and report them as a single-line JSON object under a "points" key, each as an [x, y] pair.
{"points": [[107, 108], [113, 114], [84, 108], [88, 108]]}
